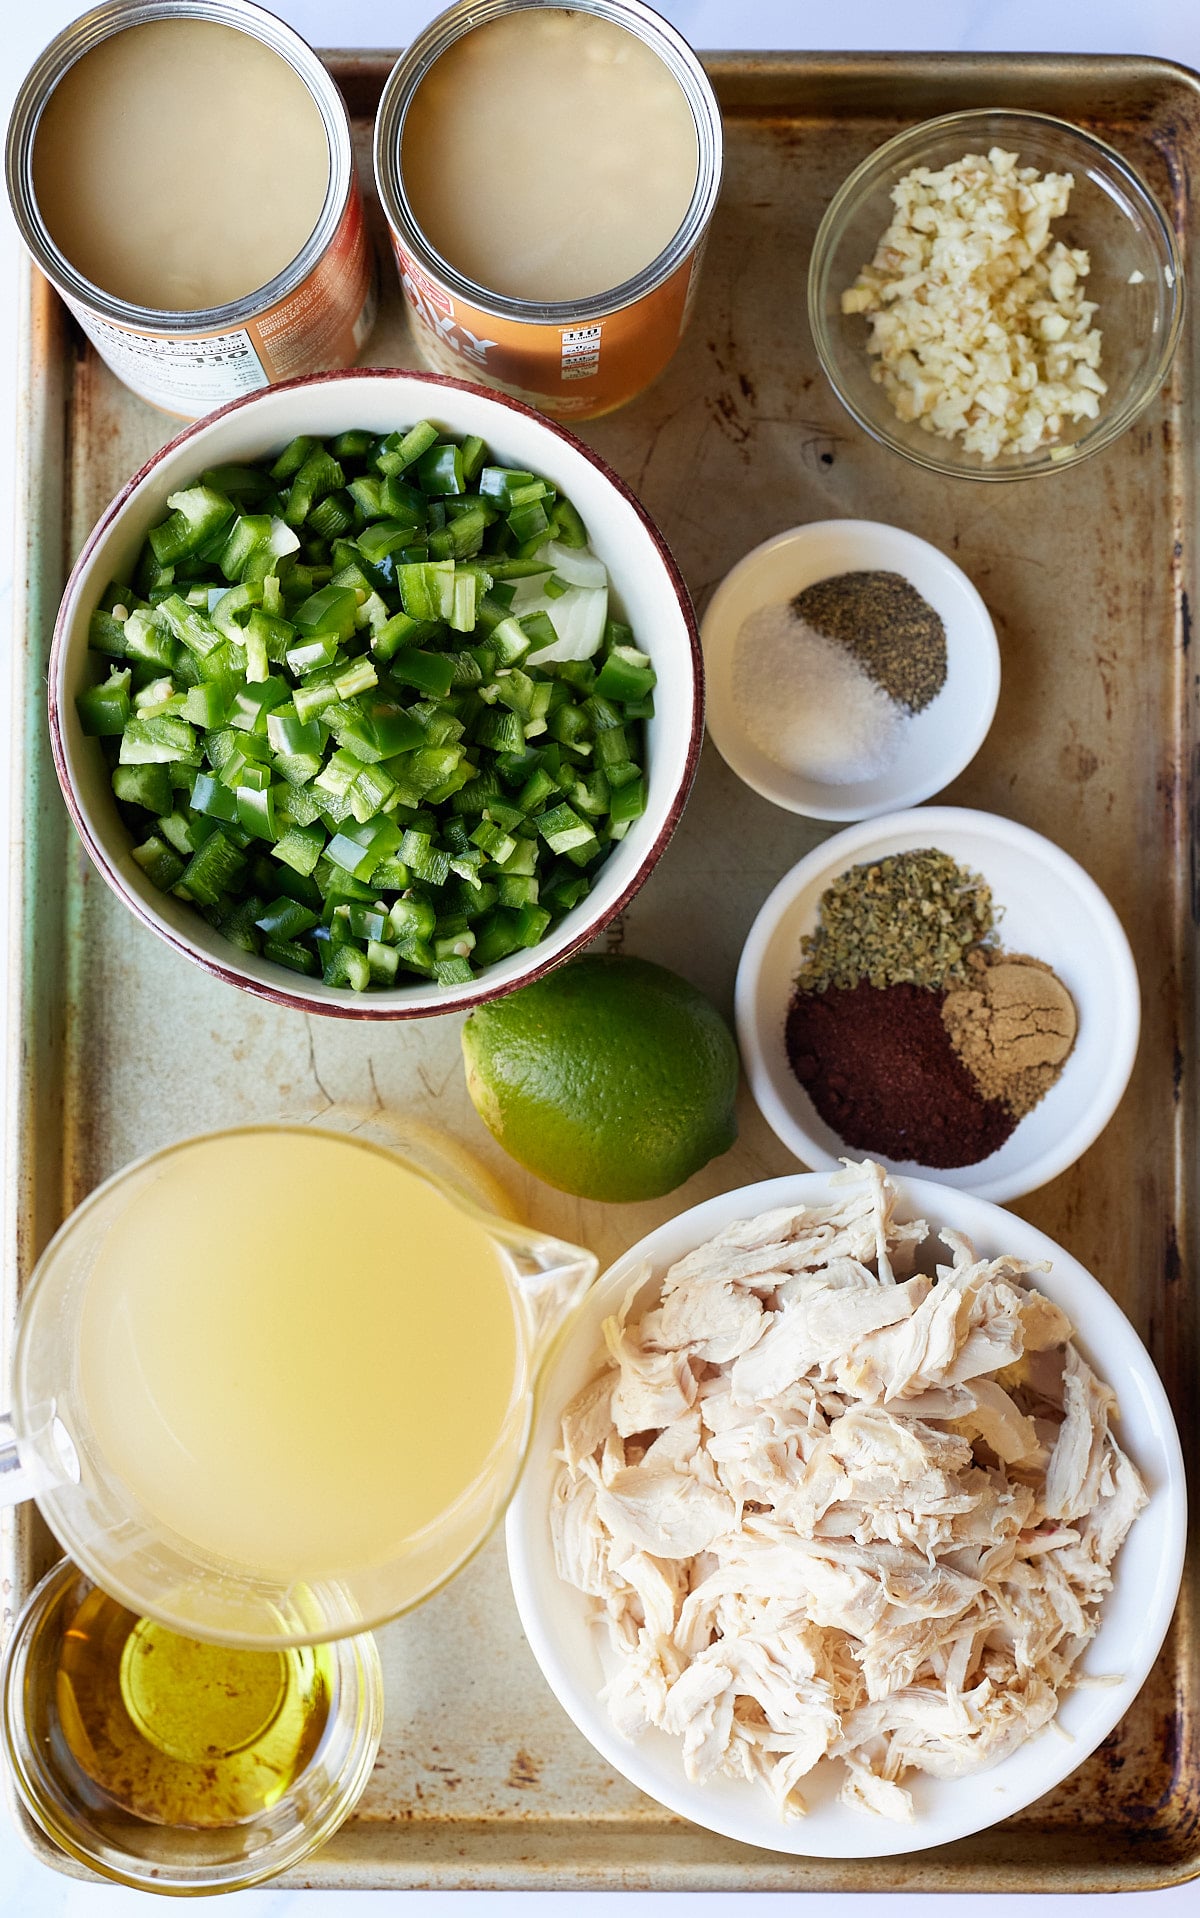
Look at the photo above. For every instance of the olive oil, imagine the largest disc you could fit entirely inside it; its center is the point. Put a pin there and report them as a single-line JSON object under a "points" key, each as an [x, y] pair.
{"points": [[183, 1733]]}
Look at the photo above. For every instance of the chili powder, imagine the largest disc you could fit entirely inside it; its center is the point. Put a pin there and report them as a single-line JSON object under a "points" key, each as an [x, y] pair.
{"points": [[879, 1066]]}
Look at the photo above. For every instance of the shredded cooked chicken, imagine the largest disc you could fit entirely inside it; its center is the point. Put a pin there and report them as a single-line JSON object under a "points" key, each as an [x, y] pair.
{"points": [[829, 1506]]}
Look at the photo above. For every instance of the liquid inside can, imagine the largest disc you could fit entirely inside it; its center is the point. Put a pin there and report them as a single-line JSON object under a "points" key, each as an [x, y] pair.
{"points": [[237, 259], [548, 176]]}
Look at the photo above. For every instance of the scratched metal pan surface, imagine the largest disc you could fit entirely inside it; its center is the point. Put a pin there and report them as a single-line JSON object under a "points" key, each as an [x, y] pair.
{"points": [[118, 1045]]}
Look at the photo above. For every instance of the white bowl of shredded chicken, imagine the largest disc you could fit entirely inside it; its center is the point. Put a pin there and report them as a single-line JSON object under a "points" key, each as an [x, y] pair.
{"points": [[841, 1538]]}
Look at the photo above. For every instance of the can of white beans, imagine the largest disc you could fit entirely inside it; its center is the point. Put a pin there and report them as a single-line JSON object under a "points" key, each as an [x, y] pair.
{"points": [[182, 172], [548, 175]]}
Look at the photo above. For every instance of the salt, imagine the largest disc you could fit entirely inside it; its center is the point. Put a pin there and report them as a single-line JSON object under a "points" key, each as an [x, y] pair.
{"points": [[808, 705]]}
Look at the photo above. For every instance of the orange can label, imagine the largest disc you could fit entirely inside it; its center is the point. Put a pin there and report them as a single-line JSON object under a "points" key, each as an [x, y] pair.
{"points": [[322, 323], [325, 322], [569, 372]]}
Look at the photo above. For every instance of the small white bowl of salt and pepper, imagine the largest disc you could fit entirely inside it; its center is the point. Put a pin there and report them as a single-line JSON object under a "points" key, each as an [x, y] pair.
{"points": [[852, 669]]}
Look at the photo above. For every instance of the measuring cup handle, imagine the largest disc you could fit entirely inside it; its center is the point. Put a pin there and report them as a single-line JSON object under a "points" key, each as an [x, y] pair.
{"points": [[25, 1470]]}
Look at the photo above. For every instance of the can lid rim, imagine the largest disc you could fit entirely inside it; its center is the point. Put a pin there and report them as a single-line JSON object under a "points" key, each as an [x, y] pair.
{"points": [[82, 36], [685, 67]]}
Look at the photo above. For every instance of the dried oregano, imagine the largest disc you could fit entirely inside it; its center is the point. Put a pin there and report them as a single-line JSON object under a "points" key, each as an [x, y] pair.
{"points": [[910, 919]]}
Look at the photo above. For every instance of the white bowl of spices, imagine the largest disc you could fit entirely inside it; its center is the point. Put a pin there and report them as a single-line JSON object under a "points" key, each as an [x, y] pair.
{"points": [[852, 669], [944, 991]]}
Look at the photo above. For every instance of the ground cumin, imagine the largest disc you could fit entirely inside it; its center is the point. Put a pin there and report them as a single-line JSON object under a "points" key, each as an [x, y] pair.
{"points": [[1013, 1025]]}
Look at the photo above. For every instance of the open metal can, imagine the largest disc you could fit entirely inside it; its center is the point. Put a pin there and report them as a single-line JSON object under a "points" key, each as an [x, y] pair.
{"points": [[316, 313], [573, 359]]}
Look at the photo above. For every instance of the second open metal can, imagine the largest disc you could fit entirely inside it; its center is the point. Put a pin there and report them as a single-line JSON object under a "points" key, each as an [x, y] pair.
{"points": [[572, 359]]}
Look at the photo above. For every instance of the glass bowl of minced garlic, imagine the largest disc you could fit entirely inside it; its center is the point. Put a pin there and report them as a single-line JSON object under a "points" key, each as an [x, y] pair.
{"points": [[995, 294]]}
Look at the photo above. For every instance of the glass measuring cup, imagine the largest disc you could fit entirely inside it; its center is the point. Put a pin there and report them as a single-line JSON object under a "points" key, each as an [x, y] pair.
{"points": [[121, 1357]]}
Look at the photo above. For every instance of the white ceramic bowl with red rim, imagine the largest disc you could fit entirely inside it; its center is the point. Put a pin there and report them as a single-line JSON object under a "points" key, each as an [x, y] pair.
{"points": [[646, 585], [1045, 904], [571, 1649]]}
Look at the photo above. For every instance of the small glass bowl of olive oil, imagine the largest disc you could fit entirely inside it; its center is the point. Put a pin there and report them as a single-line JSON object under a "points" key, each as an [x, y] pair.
{"points": [[171, 1764]]}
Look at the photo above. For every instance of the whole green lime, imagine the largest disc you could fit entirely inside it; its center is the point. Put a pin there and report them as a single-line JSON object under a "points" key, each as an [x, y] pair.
{"points": [[611, 1078]]}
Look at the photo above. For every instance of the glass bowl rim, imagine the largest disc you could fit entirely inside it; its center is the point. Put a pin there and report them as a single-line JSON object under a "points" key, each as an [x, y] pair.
{"points": [[37, 1790]]}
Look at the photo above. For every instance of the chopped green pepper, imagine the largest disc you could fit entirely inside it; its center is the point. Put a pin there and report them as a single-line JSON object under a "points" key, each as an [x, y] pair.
{"points": [[337, 686]]}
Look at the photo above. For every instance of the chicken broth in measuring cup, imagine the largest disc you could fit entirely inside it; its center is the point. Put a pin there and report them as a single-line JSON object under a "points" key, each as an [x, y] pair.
{"points": [[274, 1384], [327, 1372]]}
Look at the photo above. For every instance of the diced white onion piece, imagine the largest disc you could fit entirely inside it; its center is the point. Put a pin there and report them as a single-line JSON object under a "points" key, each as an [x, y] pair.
{"points": [[577, 565], [529, 595], [578, 618], [281, 539]]}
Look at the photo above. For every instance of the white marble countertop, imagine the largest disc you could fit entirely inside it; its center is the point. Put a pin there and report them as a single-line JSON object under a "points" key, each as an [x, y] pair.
{"points": [[1168, 28]]}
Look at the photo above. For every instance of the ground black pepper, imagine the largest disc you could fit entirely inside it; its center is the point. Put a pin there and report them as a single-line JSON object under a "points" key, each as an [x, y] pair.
{"points": [[880, 1068], [896, 636]]}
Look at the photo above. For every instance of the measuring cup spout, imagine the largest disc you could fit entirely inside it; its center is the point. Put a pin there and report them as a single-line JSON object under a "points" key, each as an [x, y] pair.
{"points": [[43, 1456], [550, 1278]]}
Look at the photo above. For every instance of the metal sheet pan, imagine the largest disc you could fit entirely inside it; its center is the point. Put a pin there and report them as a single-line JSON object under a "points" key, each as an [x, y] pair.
{"points": [[116, 1044]]}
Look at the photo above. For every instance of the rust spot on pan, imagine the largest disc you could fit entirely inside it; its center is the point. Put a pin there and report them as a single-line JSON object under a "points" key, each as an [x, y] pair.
{"points": [[1172, 1264], [1078, 763], [524, 1773]]}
